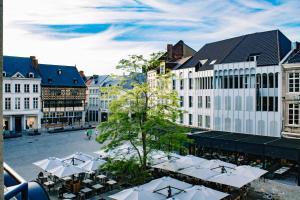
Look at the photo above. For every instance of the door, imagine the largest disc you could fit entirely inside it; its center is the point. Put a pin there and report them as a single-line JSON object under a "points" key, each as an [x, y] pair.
{"points": [[103, 117], [18, 124], [6, 125]]}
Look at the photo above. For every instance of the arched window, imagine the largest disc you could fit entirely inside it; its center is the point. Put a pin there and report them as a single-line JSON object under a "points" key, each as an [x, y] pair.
{"points": [[271, 80], [276, 80], [181, 80], [190, 80], [258, 81], [265, 80]]}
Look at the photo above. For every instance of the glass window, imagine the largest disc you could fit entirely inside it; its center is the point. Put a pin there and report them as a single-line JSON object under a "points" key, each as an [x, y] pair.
{"points": [[174, 84], [271, 80], [26, 102], [207, 121], [17, 103], [207, 101], [7, 103], [35, 103], [227, 103], [17, 88], [293, 114], [200, 121], [271, 103], [26, 88], [265, 104], [238, 103], [190, 101], [236, 82], [293, 82], [181, 101], [265, 81], [190, 119], [7, 88], [199, 101], [181, 118], [227, 124]]}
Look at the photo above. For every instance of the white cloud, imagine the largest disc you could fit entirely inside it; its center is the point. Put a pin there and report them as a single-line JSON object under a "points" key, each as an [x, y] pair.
{"points": [[205, 21]]}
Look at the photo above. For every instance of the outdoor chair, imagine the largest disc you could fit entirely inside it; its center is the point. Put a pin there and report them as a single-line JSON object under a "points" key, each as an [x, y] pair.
{"points": [[60, 193]]}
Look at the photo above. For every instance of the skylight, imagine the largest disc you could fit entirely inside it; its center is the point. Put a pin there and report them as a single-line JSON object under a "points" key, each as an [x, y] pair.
{"points": [[213, 62], [203, 61]]}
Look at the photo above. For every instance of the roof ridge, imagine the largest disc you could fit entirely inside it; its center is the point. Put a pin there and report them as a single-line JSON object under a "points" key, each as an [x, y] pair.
{"points": [[53, 65], [294, 55]]}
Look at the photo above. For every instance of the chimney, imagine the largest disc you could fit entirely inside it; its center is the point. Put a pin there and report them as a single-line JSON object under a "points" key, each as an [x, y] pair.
{"points": [[34, 62], [170, 51], [81, 73]]}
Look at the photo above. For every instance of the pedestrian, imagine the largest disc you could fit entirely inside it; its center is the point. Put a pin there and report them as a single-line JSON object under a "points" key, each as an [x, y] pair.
{"points": [[96, 133]]}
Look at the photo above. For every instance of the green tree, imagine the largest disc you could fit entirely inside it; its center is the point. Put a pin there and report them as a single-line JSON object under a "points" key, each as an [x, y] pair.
{"points": [[142, 115]]}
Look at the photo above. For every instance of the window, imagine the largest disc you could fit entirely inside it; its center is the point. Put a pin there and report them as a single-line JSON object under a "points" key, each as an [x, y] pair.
{"points": [[238, 125], [200, 121], [238, 103], [181, 84], [293, 114], [190, 101], [7, 104], [7, 87], [249, 103], [271, 80], [17, 103], [162, 69], [227, 124], [190, 119], [181, 101], [26, 88], [247, 80], [236, 82], [271, 103], [181, 118], [190, 81], [174, 84], [265, 104], [249, 125], [294, 82], [17, 88], [35, 103], [31, 75], [276, 80], [258, 103], [261, 127], [227, 103], [4, 74], [200, 102], [26, 103], [265, 81], [241, 81], [230, 82], [35, 88], [218, 102], [207, 121], [207, 101], [276, 104]]}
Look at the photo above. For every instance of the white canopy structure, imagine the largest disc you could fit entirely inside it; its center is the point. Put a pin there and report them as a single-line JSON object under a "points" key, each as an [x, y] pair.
{"points": [[217, 165], [250, 172], [49, 163], [193, 160], [198, 192], [77, 158], [66, 170], [199, 172], [92, 165], [164, 184], [137, 193], [173, 165]]}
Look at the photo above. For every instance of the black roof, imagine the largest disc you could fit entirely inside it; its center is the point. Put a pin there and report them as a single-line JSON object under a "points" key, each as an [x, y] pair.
{"points": [[295, 58], [22, 65], [60, 76], [276, 147], [270, 46]]}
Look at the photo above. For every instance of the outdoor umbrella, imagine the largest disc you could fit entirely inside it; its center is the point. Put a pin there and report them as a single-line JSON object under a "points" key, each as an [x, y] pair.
{"points": [[157, 157], [199, 172], [248, 171], [49, 163], [218, 165], [198, 192], [166, 186], [66, 170], [173, 165], [193, 160], [231, 179], [92, 165], [137, 193], [77, 158]]}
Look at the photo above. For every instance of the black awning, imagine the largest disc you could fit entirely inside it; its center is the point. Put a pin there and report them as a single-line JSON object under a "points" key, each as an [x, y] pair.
{"points": [[253, 144]]}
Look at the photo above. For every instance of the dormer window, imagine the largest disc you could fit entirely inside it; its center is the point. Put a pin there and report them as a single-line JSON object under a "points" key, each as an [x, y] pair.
{"points": [[30, 75], [213, 62], [75, 81], [4, 74], [59, 72], [50, 80], [253, 57]]}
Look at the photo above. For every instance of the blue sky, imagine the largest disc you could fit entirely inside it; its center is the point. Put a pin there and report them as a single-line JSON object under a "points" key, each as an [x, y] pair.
{"points": [[95, 34]]}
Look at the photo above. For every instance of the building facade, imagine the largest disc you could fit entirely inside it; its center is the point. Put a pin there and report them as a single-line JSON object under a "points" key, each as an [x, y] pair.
{"points": [[21, 95], [238, 80], [291, 95], [62, 96]]}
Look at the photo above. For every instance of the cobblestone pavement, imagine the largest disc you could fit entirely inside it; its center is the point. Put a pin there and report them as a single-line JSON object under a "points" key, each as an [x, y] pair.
{"points": [[21, 152]]}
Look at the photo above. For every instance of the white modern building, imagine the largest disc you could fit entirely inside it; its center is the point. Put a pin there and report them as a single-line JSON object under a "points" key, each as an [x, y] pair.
{"points": [[234, 85], [21, 95]]}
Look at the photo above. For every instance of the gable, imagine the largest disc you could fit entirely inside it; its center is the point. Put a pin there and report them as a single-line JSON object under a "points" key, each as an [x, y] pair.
{"points": [[18, 75]]}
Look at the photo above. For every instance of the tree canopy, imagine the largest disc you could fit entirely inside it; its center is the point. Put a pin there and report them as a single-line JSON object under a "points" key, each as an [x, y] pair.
{"points": [[142, 115]]}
